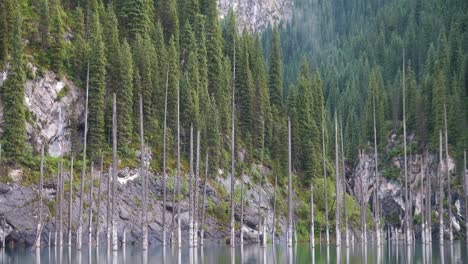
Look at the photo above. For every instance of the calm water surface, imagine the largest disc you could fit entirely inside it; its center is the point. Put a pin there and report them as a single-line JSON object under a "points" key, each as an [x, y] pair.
{"points": [[218, 253]]}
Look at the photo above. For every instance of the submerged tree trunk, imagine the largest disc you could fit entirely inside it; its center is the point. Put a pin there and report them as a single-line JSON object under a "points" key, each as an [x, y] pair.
{"points": [[273, 232], [191, 211], [312, 229], [90, 217], [83, 169], [143, 180], [290, 217], [233, 116], [179, 235], [242, 212], [441, 192], [447, 173], [202, 221], [70, 204], [39, 221], [195, 203], [465, 181], [57, 206], [62, 173], [98, 203], [429, 203], [377, 179], [345, 202], [114, 173], [407, 208], [337, 188], [325, 183], [164, 163]]}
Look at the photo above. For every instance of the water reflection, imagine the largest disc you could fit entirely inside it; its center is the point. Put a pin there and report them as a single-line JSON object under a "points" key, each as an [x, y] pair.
{"points": [[394, 252]]}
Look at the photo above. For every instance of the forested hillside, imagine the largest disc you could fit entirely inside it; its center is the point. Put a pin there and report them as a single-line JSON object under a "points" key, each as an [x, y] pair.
{"points": [[357, 46]]}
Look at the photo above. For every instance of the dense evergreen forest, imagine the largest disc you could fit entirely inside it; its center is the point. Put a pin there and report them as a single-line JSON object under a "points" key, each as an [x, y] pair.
{"points": [[327, 61]]}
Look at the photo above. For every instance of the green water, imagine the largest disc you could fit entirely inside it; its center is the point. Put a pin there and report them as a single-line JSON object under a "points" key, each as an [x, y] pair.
{"points": [[218, 253]]}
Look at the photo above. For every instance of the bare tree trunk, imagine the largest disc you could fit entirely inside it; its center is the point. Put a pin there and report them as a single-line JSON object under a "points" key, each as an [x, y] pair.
{"points": [[114, 173], [70, 204], [202, 221], [90, 217], [242, 212], [57, 206], [164, 162], [407, 208], [465, 178], [62, 173], [345, 202], [441, 192], [429, 203], [179, 235], [312, 229], [273, 232], [109, 205], [191, 213], [338, 188], [423, 209], [143, 179], [377, 180], [41, 183], [83, 169], [325, 185], [290, 217], [233, 113], [195, 205], [98, 203], [447, 172]]}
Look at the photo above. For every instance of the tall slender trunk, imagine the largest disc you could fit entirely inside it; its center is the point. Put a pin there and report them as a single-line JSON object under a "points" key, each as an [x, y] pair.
{"points": [[377, 179], [41, 183], [407, 207], [429, 203], [62, 173], [202, 221], [261, 234], [242, 212], [290, 217], [273, 232], [143, 179], [83, 169], [91, 200], [179, 236], [191, 212], [98, 203], [312, 229], [233, 118], [114, 173], [325, 185], [195, 205], [57, 206], [345, 202], [465, 178], [109, 205], [441, 192], [423, 209], [337, 188], [70, 204], [447, 173], [164, 162]]}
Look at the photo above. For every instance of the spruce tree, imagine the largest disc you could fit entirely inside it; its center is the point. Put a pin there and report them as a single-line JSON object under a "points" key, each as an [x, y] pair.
{"points": [[173, 82], [244, 90], [13, 96], [213, 135], [79, 47], [439, 99], [170, 21], [203, 94], [97, 73], [275, 81], [57, 46], [125, 95], [44, 23]]}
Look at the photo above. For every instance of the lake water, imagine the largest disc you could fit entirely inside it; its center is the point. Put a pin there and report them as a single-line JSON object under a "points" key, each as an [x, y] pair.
{"points": [[219, 253]]}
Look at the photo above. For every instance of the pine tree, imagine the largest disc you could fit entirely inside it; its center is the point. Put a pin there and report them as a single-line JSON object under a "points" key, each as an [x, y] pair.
{"points": [[13, 96], [213, 134], [173, 67], [97, 71], [57, 49], [160, 71], [244, 90], [203, 94], [275, 81], [135, 17], [170, 21], [125, 95], [439, 99], [79, 46], [411, 99], [44, 23]]}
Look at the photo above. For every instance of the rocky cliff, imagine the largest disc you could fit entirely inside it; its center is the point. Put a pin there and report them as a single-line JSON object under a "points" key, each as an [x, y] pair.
{"points": [[256, 15]]}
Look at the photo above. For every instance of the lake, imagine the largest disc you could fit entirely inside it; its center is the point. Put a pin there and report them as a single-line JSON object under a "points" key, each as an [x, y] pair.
{"points": [[219, 253]]}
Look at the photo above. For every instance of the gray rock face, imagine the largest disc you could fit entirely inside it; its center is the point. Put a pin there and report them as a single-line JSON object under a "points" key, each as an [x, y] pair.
{"points": [[52, 104], [259, 14]]}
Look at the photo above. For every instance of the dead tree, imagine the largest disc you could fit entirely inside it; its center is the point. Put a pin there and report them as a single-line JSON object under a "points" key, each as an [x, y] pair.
{"points": [[441, 192], [144, 227], [164, 162], [338, 188], [242, 212], [114, 173], [62, 173], [98, 203], [325, 183], [429, 203], [290, 216], [90, 213], [195, 205], [83, 169], [273, 232], [407, 207], [57, 206], [179, 234], [312, 229], [202, 221], [465, 177], [233, 117], [377, 180], [39, 221], [70, 204], [447, 175], [191, 212], [345, 202]]}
